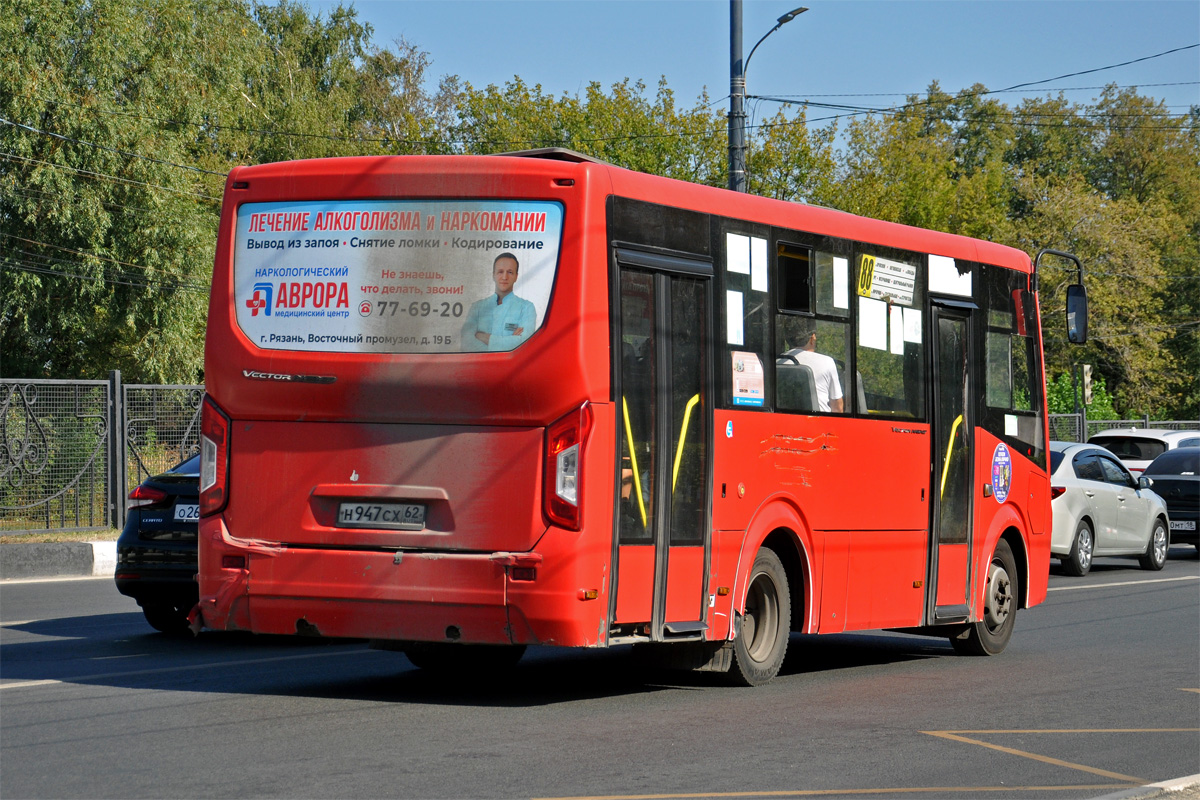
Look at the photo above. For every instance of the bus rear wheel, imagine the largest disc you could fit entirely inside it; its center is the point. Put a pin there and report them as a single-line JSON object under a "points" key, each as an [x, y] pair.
{"points": [[462, 659], [990, 636], [761, 643]]}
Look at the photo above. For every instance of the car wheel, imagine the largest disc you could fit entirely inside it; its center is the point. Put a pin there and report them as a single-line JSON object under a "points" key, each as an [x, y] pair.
{"points": [[990, 636], [463, 659], [761, 642], [167, 618], [1156, 549], [1079, 561]]}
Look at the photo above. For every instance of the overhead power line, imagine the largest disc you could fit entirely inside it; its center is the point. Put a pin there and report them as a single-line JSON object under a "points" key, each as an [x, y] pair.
{"points": [[121, 279], [106, 176], [109, 149], [1101, 69], [853, 111], [81, 253]]}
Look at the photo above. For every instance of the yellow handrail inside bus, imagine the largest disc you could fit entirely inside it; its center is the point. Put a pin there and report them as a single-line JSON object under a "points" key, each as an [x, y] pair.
{"points": [[687, 415], [637, 481], [949, 452]]}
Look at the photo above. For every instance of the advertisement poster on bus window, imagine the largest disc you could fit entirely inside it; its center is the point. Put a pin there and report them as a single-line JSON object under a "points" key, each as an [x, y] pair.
{"points": [[395, 276]]}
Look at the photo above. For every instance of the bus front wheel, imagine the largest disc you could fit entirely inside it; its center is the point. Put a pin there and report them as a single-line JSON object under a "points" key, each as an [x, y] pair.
{"points": [[990, 635], [761, 643]]}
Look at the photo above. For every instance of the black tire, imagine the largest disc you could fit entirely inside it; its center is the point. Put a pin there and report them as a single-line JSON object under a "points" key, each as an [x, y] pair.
{"points": [[761, 643], [990, 635], [463, 659], [1079, 561], [167, 618], [1155, 556]]}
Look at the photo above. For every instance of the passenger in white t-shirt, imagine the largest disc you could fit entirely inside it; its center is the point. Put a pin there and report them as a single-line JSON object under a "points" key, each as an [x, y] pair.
{"points": [[825, 374]]}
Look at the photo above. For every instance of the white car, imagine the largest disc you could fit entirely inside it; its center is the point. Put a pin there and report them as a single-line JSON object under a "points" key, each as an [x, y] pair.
{"points": [[1137, 447], [1099, 510]]}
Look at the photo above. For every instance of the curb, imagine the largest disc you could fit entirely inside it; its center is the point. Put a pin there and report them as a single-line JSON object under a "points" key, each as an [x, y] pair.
{"points": [[57, 560], [1178, 789]]}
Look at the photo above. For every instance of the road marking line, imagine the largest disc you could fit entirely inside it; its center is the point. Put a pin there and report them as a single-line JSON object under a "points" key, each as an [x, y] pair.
{"points": [[18, 622], [160, 670], [1077, 730], [1122, 583], [55, 579], [836, 792], [953, 736], [1197, 691]]}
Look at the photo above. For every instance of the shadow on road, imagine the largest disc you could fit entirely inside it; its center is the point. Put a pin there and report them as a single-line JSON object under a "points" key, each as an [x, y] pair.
{"points": [[118, 650]]}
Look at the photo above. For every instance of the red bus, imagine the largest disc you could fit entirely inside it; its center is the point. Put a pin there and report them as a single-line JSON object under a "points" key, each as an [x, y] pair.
{"points": [[458, 405]]}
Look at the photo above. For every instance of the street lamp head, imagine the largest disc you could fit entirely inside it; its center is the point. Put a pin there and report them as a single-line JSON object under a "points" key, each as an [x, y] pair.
{"points": [[791, 15]]}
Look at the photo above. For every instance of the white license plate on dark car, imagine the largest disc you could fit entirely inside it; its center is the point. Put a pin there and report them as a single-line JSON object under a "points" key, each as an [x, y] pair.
{"points": [[393, 516], [1183, 525], [187, 512]]}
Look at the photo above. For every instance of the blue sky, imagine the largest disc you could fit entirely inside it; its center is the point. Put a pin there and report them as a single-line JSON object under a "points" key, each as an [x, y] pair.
{"points": [[838, 49]]}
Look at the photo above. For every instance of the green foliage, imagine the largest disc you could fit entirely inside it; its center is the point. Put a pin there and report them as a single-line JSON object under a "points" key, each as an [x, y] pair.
{"points": [[123, 119], [1116, 183], [127, 118], [1061, 393]]}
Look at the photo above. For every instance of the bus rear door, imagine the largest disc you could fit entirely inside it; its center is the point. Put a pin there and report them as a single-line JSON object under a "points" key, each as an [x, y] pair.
{"points": [[664, 417]]}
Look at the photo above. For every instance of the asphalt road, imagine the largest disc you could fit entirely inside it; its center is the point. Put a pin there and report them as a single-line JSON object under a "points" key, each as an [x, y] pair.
{"points": [[1099, 691]]}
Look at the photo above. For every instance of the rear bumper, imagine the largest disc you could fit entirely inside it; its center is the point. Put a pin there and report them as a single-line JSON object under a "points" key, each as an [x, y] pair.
{"points": [[399, 596], [156, 572], [158, 586]]}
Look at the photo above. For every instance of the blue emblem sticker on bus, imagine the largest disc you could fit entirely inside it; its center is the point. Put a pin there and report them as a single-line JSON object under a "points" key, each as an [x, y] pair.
{"points": [[729, 429], [1001, 472]]}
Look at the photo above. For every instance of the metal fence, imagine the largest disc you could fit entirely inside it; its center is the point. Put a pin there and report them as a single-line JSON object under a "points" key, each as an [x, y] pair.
{"points": [[54, 455], [1078, 428], [57, 440]]}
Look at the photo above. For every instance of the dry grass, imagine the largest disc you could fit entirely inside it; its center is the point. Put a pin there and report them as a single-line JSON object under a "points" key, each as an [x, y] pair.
{"points": [[62, 536]]}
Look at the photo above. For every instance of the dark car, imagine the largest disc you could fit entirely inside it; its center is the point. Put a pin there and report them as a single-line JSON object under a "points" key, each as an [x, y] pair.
{"points": [[1175, 477], [156, 553]]}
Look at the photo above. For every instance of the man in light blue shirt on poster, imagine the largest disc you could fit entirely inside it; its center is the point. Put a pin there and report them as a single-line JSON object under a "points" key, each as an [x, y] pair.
{"points": [[501, 321]]}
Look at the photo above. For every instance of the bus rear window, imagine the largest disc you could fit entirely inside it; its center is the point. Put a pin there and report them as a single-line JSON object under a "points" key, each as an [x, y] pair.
{"points": [[394, 276]]}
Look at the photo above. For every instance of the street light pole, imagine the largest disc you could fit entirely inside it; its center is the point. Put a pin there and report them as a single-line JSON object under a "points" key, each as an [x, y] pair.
{"points": [[737, 90]]}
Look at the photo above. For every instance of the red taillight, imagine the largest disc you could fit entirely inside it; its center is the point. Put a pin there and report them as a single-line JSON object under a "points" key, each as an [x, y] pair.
{"points": [[214, 459], [1055, 491], [563, 488], [145, 496]]}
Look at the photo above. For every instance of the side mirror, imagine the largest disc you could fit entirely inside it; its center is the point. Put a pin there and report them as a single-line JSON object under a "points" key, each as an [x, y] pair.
{"points": [[1077, 313], [1145, 483]]}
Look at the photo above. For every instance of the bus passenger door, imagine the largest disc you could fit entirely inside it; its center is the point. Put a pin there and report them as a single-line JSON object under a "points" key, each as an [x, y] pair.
{"points": [[950, 544], [663, 529]]}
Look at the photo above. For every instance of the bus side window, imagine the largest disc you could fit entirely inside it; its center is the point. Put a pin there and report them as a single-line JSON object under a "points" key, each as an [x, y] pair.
{"points": [[811, 332], [890, 352]]}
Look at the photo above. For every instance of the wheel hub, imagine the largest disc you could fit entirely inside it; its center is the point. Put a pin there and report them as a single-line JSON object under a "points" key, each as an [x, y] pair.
{"points": [[999, 597]]}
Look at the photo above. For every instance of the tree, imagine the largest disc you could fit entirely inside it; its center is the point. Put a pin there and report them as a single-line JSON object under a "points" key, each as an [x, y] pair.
{"points": [[1061, 394], [122, 120], [108, 213], [787, 161], [622, 126]]}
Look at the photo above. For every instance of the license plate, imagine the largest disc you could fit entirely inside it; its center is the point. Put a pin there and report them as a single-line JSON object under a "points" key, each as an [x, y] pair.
{"points": [[187, 512], [1184, 525], [392, 516]]}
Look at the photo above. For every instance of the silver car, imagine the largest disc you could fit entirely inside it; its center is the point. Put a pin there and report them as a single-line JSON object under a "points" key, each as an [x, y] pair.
{"points": [[1099, 510], [1137, 447]]}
